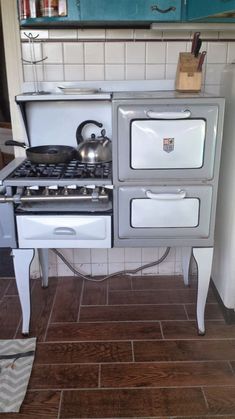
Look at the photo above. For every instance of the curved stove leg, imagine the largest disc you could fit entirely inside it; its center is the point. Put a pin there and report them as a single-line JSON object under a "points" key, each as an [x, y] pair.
{"points": [[203, 257], [43, 260], [22, 259], [186, 256]]}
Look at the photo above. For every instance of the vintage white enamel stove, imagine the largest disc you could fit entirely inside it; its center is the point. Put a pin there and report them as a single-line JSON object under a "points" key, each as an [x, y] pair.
{"points": [[160, 189]]}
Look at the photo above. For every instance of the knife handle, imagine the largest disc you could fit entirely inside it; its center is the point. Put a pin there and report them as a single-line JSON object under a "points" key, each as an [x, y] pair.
{"points": [[194, 41], [201, 60], [197, 48]]}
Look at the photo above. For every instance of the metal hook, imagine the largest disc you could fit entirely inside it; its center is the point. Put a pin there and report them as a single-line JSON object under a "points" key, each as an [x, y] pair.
{"points": [[30, 35], [34, 62]]}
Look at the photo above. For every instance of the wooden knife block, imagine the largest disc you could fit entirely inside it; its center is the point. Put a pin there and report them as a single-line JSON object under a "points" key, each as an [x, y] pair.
{"points": [[188, 78]]}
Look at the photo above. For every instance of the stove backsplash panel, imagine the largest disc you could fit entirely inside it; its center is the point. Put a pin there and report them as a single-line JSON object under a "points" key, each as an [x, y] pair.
{"points": [[56, 122]]}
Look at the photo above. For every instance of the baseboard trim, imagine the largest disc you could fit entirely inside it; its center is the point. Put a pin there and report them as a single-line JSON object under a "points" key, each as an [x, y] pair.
{"points": [[228, 313]]}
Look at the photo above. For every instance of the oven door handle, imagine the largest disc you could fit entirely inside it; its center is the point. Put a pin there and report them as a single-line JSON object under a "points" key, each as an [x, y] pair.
{"points": [[65, 231], [168, 115], [166, 196]]}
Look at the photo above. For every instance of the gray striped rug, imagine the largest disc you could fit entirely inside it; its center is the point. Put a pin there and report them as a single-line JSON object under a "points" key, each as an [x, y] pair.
{"points": [[16, 361]]}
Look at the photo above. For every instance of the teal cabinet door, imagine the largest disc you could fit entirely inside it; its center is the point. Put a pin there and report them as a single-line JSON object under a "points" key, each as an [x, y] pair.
{"points": [[118, 11], [215, 10], [73, 15]]}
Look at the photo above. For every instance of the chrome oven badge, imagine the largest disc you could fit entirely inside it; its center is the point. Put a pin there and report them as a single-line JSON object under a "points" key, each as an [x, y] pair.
{"points": [[168, 144]]}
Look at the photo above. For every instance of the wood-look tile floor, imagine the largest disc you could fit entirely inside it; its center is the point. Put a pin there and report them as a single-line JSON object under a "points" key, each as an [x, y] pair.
{"points": [[124, 348]]}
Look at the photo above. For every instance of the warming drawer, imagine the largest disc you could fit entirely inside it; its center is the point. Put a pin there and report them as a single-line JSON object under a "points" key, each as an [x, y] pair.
{"points": [[62, 231], [158, 212]]}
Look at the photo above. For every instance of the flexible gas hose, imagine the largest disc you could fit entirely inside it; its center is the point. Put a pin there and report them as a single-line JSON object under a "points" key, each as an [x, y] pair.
{"points": [[124, 272]]}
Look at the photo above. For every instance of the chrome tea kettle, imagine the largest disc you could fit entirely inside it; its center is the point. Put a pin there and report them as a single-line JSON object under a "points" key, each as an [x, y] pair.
{"points": [[94, 149]]}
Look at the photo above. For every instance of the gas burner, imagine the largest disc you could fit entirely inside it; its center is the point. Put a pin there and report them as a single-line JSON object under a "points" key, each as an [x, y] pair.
{"points": [[72, 170]]}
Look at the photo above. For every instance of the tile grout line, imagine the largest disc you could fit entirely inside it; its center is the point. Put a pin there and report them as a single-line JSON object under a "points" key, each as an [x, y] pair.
{"points": [[99, 376], [80, 302], [63, 60], [52, 307], [231, 367], [186, 313], [60, 404], [107, 291], [133, 351], [8, 286], [133, 39], [152, 362], [125, 73], [145, 78], [151, 304], [161, 329], [205, 399]]}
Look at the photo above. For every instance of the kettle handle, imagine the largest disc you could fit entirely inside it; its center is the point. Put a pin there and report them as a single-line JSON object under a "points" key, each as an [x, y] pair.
{"points": [[80, 127]]}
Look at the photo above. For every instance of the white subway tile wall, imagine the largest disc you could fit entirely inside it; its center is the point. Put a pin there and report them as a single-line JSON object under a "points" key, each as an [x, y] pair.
{"points": [[155, 52], [73, 53], [114, 53], [120, 54], [73, 71], [114, 72], [155, 71]]}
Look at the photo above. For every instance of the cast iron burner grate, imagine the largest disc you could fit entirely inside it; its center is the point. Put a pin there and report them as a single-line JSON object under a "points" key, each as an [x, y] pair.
{"points": [[72, 170]]}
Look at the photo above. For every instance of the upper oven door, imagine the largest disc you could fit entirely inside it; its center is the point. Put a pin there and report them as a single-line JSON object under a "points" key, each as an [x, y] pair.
{"points": [[166, 142]]}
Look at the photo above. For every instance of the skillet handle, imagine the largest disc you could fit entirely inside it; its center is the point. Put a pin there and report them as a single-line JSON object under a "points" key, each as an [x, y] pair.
{"points": [[80, 127], [15, 143]]}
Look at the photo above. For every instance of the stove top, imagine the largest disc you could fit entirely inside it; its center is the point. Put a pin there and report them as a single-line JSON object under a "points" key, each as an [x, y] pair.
{"points": [[61, 173]]}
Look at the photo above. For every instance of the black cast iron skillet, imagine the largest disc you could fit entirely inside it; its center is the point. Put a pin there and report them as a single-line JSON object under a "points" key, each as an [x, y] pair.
{"points": [[47, 154]]}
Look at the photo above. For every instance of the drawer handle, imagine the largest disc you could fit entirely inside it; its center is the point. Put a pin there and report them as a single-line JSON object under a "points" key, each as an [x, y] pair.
{"points": [[166, 196], [156, 8], [168, 115], [64, 231]]}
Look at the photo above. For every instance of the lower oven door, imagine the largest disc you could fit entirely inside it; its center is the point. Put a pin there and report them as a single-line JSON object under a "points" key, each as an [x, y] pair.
{"points": [[164, 212], [64, 231]]}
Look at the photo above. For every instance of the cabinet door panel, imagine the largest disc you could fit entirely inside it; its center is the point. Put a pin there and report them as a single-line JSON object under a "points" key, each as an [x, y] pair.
{"points": [[73, 14], [129, 10], [206, 8]]}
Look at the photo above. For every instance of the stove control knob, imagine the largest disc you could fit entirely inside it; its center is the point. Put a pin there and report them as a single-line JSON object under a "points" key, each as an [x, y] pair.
{"points": [[53, 187], [33, 188], [95, 195], [46, 191], [72, 186], [65, 191], [90, 186], [28, 192]]}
